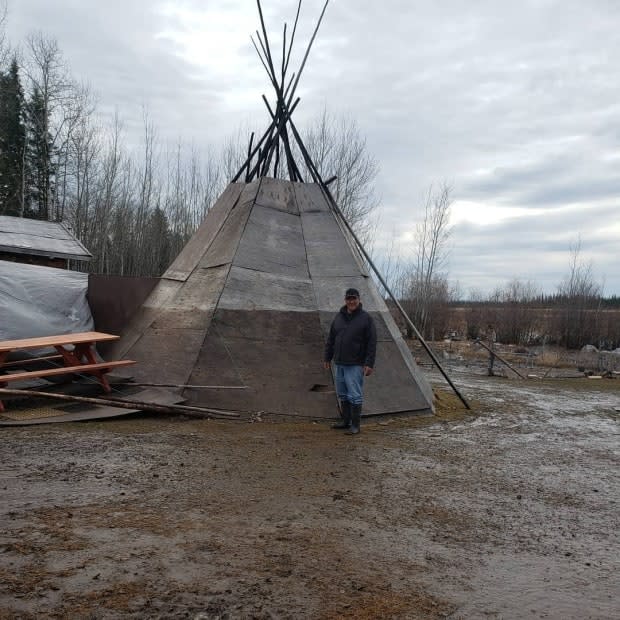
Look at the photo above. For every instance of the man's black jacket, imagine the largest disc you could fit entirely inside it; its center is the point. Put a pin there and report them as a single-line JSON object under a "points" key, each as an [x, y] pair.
{"points": [[352, 339]]}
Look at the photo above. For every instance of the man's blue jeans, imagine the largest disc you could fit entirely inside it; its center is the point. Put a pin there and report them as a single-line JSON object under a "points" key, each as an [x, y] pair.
{"points": [[350, 383]]}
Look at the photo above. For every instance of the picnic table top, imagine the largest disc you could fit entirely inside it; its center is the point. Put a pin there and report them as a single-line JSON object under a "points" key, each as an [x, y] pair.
{"points": [[50, 341]]}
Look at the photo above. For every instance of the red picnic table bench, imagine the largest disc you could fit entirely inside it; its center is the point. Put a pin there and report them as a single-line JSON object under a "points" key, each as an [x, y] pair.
{"points": [[75, 354]]}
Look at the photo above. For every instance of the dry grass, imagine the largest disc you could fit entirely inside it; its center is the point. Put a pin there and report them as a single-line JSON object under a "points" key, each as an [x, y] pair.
{"points": [[448, 405], [24, 582], [125, 516], [118, 598], [387, 604], [469, 353]]}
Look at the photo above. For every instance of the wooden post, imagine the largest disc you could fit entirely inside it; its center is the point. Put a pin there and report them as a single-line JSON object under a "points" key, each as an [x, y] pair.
{"points": [[501, 359]]}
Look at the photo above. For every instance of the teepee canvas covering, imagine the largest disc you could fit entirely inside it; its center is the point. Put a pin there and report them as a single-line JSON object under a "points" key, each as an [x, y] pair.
{"points": [[249, 302]]}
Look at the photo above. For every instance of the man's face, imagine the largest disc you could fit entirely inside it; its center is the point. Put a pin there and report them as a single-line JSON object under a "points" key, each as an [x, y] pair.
{"points": [[352, 303]]}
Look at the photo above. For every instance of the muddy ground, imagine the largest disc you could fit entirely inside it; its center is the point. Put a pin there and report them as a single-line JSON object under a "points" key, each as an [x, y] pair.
{"points": [[508, 513]]}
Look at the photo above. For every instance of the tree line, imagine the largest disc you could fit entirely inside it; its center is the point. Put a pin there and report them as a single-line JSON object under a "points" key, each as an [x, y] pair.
{"points": [[518, 313], [134, 211], [576, 314]]}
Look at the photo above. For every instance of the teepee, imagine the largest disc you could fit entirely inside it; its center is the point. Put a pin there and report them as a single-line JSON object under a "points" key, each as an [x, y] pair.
{"points": [[248, 302]]}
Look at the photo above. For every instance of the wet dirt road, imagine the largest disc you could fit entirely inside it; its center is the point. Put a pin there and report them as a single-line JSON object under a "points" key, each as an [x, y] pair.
{"points": [[512, 513]]}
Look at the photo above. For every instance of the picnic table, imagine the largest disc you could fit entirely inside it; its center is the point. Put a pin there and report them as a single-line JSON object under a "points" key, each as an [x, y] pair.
{"points": [[75, 354]]}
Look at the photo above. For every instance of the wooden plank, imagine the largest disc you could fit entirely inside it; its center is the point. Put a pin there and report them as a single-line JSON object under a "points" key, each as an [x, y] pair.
{"points": [[277, 194], [255, 290], [223, 248], [279, 373], [200, 242], [393, 388], [166, 354], [51, 341], [310, 198], [273, 242], [50, 372], [194, 303], [329, 292], [329, 251]]}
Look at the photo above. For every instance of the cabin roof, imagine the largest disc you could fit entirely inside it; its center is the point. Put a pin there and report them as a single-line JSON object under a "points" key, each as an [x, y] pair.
{"points": [[20, 235]]}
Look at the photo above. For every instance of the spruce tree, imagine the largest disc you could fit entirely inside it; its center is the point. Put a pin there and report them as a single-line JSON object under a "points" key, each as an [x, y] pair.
{"points": [[39, 156], [13, 169]]}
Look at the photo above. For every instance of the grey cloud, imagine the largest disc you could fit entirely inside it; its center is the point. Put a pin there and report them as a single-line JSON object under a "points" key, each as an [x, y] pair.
{"points": [[537, 247], [551, 182], [584, 191], [515, 104]]}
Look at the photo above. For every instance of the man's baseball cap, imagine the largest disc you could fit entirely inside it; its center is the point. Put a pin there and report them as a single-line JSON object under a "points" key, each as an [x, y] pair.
{"points": [[352, 292]]}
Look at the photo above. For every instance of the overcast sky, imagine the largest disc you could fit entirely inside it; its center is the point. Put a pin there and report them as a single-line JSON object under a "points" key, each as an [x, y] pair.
{"points": [[515, 104]]}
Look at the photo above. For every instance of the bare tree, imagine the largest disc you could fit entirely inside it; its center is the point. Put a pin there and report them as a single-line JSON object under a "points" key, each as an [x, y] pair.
{"points": [[425, 287], [338, 149], [55, 108], [581, 296], [82, 166], [110, 201], [579, 282], [77, 112], [391, 265], [234, 153], [4, 47], [207, 182], [511, 313], [191, 188]]}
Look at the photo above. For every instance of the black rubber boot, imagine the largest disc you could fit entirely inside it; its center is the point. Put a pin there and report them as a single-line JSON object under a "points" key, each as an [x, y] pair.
{"points": [[356, 414], [345, 414]]}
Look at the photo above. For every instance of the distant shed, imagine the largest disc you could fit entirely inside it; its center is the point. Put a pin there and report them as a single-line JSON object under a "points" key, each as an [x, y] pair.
{"points": [[38, 242]]}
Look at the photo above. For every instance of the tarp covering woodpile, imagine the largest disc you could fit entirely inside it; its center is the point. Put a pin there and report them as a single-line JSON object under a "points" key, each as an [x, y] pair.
{"points": [[39, 301], [249, 301]]}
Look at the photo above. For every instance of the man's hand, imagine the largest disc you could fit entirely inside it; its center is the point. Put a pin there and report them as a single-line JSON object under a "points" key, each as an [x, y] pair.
{"points": [[327, 365], [367, 371]]}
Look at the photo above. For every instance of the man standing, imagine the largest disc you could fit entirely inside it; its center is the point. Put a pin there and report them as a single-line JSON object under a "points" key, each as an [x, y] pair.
{"points": [[352, 344]]}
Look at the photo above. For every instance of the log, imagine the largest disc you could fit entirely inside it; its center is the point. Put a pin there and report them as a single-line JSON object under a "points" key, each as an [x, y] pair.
{"points": [[200, 412], [501, 359], [192, 387]]}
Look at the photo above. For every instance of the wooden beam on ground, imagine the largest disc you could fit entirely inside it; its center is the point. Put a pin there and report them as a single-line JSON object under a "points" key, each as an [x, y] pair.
{"points": [[189, 386], [31, 360], [501, 359], [199, 412]]}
